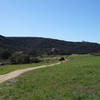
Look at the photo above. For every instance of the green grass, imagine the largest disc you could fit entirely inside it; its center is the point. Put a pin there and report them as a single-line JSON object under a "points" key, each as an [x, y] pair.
{"points": [[45, 61], [51, 58], [9, 68], [78, 79]]}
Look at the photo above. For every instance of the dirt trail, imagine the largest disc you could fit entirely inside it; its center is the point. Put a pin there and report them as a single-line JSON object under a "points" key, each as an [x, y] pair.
{"points": [[16, 73]]}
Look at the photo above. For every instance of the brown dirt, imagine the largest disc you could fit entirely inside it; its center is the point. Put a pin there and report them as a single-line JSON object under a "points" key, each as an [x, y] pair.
{"points": [[16, 73]]}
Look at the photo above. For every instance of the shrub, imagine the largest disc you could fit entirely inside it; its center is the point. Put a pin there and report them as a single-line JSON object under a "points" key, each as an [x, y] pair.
{"points": [[5, 54], [1, 64], [35, 60], [96, 54], [62, 59], [18, 58]]}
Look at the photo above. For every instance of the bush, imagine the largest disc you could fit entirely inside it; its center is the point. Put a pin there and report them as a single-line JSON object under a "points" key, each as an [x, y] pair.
{"points": [[62, 59], [18, 58], [5, 54], [1, 64], [96, 54], [35, 60]]}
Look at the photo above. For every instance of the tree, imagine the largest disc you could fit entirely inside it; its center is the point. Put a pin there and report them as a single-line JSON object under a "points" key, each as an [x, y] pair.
{"points": [[18, 58], [35, 60], [62, 59], [5, 54]]}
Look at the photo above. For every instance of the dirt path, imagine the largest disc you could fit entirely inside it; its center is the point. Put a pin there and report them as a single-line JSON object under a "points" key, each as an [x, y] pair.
{"points": [[16, 73]]}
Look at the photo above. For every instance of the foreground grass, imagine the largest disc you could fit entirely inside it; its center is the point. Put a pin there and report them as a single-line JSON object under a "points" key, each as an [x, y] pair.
{"points": [[78, 79]]}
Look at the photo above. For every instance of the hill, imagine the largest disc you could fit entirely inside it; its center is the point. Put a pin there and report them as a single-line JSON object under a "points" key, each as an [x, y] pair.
{"points": [[46, 45]]}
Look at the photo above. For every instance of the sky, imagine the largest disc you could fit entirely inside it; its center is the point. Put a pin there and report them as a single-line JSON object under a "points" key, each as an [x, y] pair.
{"points": [[70, 20]]}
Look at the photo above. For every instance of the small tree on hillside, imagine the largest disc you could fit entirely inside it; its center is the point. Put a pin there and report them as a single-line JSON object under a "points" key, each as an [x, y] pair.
{"points": [[18, 58], [5, 54]]}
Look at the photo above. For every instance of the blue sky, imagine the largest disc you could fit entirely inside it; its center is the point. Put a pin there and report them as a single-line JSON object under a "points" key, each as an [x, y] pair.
{"points": [[71, 20]]}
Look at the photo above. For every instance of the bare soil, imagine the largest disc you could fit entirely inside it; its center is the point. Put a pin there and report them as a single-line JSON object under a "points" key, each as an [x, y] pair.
{"points": [[16, 73]]}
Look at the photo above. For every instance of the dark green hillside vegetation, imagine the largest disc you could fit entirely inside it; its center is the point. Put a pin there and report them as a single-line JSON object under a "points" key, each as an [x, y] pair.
{"points": [[6, 44], [77, 79], [40, 46], [5, 54], [20, 58], [29, 48], [61, 47]]}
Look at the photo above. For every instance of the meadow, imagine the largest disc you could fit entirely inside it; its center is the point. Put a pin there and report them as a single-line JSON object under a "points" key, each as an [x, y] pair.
{"points": [[45, 61], [77, 79]]}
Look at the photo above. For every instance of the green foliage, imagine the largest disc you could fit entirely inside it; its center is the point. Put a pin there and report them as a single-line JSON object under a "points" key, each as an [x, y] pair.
{"points": [[44, 46], [19, 58], [77, 79], [62, 59], [96, 54], [4, 69], [35, 60], [5, 54]]}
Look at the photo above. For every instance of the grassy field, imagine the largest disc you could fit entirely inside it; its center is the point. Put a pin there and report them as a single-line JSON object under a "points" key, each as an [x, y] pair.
{"points": [[9, 68], [77, 79]]}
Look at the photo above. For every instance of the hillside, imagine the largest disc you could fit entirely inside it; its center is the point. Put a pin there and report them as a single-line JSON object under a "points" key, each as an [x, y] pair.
{"points": [[45, 45], [5, 43]]}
